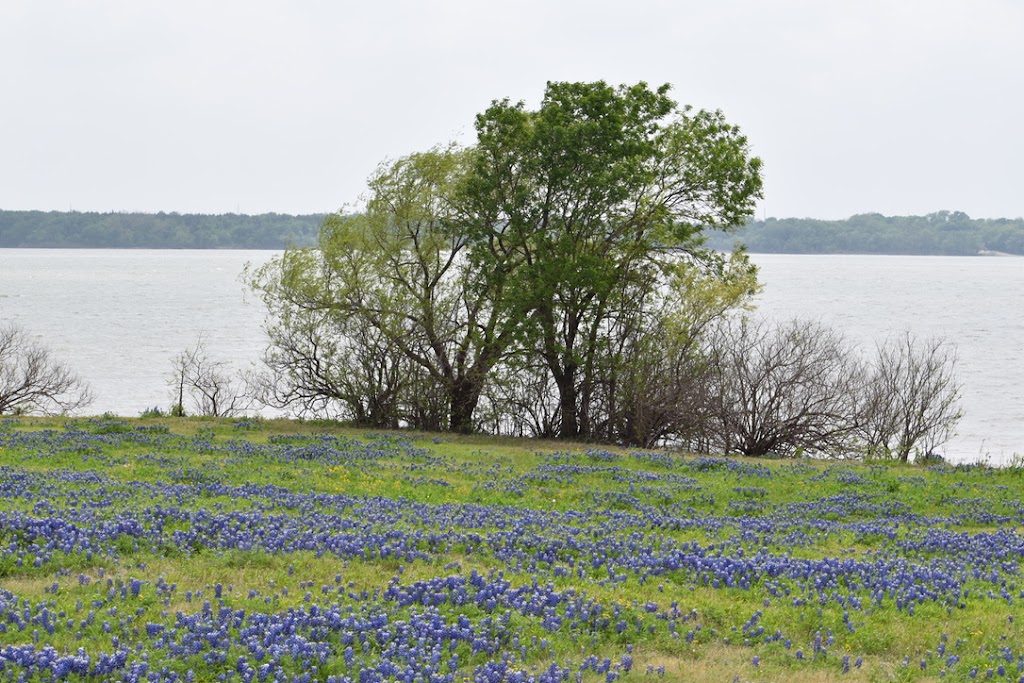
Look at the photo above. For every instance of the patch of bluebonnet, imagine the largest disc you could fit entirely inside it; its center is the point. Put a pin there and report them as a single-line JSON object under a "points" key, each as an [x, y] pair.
{"points": [[461, 622]]}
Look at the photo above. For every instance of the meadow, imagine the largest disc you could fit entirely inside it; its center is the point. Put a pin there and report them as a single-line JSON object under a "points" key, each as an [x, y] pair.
{"points": [[251, 550]]}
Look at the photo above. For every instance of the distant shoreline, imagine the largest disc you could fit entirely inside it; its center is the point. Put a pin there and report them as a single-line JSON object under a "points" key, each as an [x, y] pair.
{"points": [[943, 233]]}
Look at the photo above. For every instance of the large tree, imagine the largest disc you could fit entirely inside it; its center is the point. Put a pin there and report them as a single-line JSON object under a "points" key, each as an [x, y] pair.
{"points": [[596, 194], [544, 248], [397, 274]]}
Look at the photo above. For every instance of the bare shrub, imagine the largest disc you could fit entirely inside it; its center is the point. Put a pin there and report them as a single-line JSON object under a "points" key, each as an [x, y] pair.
{"points": [[657, 391], [32, 380], [911, 401], [782, 389], [210, 386]]}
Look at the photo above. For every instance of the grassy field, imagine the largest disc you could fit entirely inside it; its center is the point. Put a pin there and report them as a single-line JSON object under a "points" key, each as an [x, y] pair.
{"points": [[196, 550]]}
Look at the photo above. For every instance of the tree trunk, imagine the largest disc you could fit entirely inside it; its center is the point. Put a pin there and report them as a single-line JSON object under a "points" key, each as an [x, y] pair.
{"points": [[566, 383], [465, 395]]}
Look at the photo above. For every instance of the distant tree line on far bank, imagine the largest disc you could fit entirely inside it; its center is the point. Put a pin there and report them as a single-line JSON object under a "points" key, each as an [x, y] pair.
{"points": [[944, 233], [951, 233], [75, 230]]}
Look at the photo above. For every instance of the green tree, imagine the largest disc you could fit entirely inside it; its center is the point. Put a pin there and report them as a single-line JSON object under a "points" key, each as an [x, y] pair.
{"points": [[595, 194], [449, 316], [399, 269], [535, 258]]}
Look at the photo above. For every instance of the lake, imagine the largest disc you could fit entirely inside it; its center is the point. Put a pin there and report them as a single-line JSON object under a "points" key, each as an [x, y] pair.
{"points": [[121, 316]]}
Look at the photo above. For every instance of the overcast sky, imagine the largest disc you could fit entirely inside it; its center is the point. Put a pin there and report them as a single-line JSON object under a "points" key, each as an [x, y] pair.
{"points": [[892, 106]]}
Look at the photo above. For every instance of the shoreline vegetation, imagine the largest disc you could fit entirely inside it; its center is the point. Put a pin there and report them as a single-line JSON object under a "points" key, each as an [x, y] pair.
{"points": [[943, 233], [199, 549]]}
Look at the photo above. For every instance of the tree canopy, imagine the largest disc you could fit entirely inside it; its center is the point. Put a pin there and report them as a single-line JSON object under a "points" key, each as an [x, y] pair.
{"points": [[480, 278], [596, 194]]}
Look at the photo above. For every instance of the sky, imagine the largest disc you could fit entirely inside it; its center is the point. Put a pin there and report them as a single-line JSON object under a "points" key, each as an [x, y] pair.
{"points": [[900, 107]]}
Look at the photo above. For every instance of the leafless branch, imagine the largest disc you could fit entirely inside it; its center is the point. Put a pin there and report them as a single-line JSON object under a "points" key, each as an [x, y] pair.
{"points": [[911, 402], [209, 385], [32, 380]]}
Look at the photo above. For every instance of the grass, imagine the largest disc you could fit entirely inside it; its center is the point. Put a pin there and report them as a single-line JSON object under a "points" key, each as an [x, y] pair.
{"points": [[194, 549]]}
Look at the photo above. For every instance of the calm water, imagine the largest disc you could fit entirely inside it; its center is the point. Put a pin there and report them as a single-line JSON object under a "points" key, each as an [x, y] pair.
{"points": [[120, 316]]}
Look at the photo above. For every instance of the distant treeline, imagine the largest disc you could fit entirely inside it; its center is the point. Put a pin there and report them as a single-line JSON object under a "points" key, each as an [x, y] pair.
{"points": [[943, 233], [74, 229], [952, 233]]}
